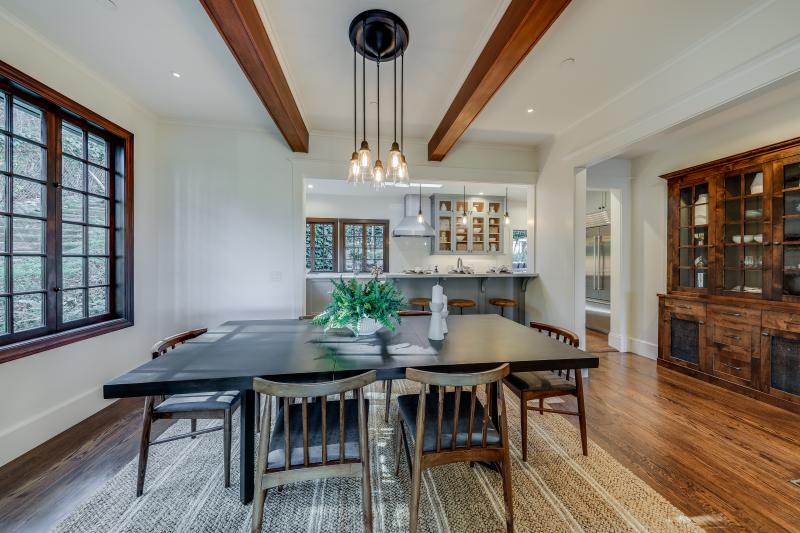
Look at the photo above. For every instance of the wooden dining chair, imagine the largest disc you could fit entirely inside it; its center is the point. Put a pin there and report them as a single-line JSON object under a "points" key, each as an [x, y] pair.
{"points": [[192, 406], [452, 427], [539, 385], [313, 439]]}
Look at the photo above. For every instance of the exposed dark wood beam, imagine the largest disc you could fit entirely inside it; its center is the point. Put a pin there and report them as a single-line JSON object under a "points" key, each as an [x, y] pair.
{"points": [[240, 25], [522, 25]]}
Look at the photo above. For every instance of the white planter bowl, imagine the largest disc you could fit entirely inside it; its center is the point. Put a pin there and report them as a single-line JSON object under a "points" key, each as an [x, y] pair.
{"points": [[367, 326]]}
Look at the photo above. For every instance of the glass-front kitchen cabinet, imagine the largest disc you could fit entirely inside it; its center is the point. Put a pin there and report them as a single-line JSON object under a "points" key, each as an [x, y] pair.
{"points": [[480, 231]]}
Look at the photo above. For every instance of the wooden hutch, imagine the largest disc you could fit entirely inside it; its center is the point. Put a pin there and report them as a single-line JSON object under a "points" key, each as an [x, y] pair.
{"points": [[731, 315]]}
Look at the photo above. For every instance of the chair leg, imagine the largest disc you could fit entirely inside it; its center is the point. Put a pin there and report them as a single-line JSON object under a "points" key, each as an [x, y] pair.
{"points": [[581, 411], [388, 395], [193, 426], [366, 489], [144, 444], [541, 406], [399, 444], [259, 493], [416, 487], [507, 492], [258, 412], [226, 446], [523, 416]]}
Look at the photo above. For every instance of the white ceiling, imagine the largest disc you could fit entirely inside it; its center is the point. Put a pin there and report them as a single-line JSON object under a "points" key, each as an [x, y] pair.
{"points": [[339, 187], [137, 44]]}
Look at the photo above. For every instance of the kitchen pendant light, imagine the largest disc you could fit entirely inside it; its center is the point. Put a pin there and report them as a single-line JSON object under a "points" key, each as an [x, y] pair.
{"points": [[420, 218], [378, 35], [354, 169], [402, 172], [505, 216], [464, 219]]}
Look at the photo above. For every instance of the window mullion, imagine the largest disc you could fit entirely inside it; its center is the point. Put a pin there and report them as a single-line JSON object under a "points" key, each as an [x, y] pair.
{"points": [[52, 261]]}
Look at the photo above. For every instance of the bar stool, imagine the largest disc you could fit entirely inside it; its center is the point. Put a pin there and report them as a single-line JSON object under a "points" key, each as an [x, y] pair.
{"points": [[502, 303], [421, 302], [461, 304]]}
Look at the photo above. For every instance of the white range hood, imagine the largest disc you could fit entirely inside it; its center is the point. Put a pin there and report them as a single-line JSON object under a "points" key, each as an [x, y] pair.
{"points": [[409, 226]]}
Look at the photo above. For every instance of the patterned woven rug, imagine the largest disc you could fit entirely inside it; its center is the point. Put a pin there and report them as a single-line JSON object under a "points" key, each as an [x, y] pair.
{"points": [[558, 489]]}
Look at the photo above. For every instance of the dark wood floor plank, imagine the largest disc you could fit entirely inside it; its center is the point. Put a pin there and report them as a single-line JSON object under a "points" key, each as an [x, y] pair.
{"points": [[723, 459]]}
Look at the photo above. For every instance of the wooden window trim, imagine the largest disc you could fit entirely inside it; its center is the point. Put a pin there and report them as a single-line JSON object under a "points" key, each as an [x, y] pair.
{"points": [[313, 221], [364, 222], [120, 200]]}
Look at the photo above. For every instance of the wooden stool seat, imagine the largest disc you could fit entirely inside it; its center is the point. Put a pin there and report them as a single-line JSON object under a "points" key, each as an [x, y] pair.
{"points": [[461, 304], [502, 303], [422, 302]]}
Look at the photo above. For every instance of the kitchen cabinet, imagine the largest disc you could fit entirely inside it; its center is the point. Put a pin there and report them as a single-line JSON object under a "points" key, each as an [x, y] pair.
{"points": [[481, 233]]}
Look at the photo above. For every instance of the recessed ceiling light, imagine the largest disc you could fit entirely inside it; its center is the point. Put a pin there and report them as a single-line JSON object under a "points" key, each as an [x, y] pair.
{"points": [[530, 110], [310, 186], [176, 74], [480, 193]]}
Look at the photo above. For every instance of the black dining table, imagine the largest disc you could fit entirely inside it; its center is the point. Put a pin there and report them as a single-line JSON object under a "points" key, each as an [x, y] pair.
{"points": [[229, 356]]}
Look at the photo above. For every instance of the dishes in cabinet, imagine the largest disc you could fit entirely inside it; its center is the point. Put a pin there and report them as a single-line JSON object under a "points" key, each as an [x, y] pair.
{"points": [[737, 239], [759, 237]]}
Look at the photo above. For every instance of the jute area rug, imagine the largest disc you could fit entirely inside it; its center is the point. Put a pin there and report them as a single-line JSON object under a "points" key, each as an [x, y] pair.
{"points": [[558, 489]]}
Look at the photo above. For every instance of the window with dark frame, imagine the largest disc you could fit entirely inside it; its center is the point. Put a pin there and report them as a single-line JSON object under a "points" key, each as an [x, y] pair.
{"points": [[65, 251], [345, 245]]}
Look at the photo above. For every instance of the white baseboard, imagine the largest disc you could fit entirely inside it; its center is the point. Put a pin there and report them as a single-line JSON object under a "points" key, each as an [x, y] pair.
{"points": [[643, 348], [618, 342], [27, 434]]}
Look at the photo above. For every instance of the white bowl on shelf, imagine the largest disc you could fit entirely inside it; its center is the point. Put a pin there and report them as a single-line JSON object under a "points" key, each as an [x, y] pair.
{"points": [[748, 238], [759, 237], [737, 239]]}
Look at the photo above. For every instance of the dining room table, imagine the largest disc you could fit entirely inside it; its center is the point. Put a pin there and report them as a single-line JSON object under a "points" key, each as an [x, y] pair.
{"points": [[230, 355]]}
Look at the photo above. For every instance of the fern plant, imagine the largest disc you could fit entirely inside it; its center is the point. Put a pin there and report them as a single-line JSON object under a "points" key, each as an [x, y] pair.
{"points": [[352, 301]]}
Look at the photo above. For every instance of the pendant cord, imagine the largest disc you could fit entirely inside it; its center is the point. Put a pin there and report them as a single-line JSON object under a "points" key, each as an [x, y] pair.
{"points": [[402, 93], [355, 101], [420, 198], [395, 81], [379, 107], [364, 79]]}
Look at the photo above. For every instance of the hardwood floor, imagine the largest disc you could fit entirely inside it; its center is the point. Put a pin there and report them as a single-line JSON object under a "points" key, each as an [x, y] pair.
{"points": [[597, 342], [723, 459]]}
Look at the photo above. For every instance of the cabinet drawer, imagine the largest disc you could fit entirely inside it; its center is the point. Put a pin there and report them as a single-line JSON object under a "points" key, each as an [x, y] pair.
{"points": [[740, 338], [781, 320], [731, 316], [684, 307], [732, 364]]}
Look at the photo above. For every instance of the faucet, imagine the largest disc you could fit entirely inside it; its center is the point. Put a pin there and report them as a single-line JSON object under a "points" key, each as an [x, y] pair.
{"points": [[459, 265]]}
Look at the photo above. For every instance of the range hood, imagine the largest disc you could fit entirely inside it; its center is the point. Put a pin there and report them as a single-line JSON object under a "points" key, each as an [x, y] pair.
{"points": [[409, 227]]}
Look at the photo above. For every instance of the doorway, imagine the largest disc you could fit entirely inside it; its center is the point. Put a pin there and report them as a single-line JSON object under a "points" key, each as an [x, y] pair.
{"points": [[598, 283]]}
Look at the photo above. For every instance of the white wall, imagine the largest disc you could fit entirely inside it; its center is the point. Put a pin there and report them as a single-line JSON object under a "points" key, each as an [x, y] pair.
{"points": [[44, 394], [770, 117], [409, 252]]}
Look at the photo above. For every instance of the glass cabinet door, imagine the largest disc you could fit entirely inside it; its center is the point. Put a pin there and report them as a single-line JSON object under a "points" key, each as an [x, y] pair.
{"points": [[693, 252], [788, 227], [445, 237], [745, 233], [479, 233], [462, 234]]}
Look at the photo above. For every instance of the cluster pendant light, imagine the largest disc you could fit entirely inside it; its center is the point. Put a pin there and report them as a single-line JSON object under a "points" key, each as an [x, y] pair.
{"points": [[506, 217], [379, 36]]}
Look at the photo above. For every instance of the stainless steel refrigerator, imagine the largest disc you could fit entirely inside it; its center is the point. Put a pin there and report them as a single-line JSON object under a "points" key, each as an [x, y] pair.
{"points": [[598, 277]]}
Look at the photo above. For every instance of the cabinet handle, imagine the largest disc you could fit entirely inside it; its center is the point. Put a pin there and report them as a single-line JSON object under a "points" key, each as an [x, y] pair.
{"points": [[734, 337], [765, 333], [683, 306], [730, 314], [737, 368]]}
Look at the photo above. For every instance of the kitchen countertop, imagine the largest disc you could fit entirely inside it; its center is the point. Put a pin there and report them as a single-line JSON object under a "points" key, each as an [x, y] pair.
{"points": [[401, 275]]}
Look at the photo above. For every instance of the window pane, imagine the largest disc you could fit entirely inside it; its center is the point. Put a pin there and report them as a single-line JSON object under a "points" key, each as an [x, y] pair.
{"points": [[28, 197], [98, 181], [3, 316], [72, 206], [98, 209], [98, 241], [98, 301], [3, 274], [72, 239], [3, 158], [28, 236], [72, 272], [98, 271], [28, 273], [72, 140], [27, 121], [323, 247], [72, 173], [308, 246], [28, 311], [97, 151], [72, 305], [3, 234], [28, 159], [2, 111], [3, 193]]}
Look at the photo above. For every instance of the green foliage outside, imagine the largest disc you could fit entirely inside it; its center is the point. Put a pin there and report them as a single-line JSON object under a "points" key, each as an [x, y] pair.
{"points": [[352, 301]]}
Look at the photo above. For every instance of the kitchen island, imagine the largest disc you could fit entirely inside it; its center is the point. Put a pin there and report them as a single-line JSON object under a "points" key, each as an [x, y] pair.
{"points": [[479, 287]]}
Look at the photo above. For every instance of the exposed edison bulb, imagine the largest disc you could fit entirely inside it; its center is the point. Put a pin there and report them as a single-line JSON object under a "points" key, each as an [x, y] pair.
{"points": [[378, 172], [364, 155], [464, 219], [420, 218], [394, 156], [507, 218], [354, 171]]}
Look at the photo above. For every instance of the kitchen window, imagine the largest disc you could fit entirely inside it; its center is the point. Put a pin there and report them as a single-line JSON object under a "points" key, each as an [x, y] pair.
{"points": [[65, 247], [346, 245]]}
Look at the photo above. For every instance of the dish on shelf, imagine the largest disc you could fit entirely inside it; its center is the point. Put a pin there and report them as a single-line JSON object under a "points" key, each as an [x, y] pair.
{"points": [[748, 238], [758, 237], [461, 238], [753, 213], [737, 239]]}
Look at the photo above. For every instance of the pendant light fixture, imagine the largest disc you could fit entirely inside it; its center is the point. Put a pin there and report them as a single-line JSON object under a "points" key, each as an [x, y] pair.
{"points": [[378, 35], [354, 169], [505, 216], [420, 218], [464, 218], [402, 174]]}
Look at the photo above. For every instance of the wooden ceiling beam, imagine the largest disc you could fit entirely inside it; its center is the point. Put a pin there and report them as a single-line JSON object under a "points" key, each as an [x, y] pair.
{"points": [[240, 25], [520, 28]]}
